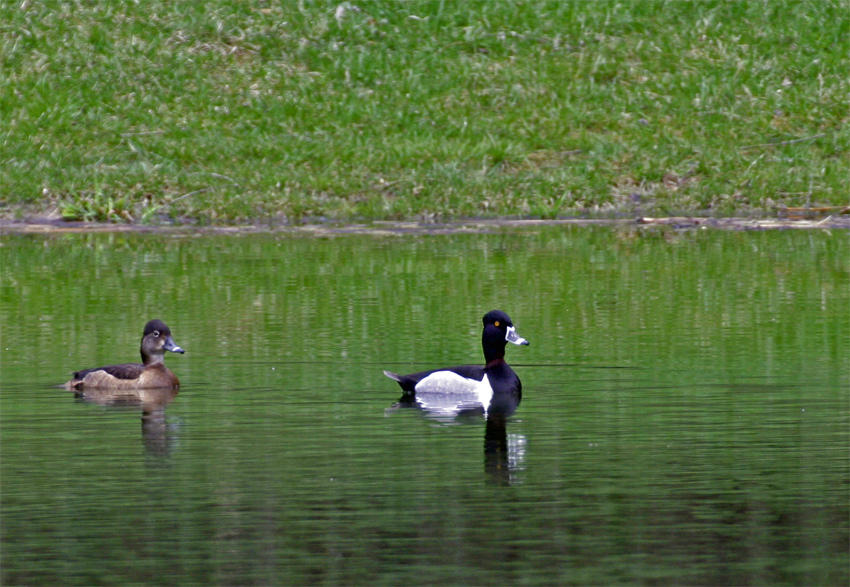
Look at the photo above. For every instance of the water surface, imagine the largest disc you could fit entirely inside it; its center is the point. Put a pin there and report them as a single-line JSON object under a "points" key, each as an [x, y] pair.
{"points": [[684, 419]]}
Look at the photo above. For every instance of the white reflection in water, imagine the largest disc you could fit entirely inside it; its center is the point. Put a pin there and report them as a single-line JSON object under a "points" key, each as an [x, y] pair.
{"points": [[504, 454]]}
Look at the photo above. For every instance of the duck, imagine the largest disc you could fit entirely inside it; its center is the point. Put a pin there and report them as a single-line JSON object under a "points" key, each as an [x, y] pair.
{"points": [[493, 387], [150, 374]]}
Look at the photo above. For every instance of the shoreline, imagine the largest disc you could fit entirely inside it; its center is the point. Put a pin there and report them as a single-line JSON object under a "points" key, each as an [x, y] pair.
{"points": [[42, 225]]}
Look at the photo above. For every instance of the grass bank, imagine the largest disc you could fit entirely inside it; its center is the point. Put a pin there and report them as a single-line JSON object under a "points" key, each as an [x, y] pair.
{"points": [[225, 111]]}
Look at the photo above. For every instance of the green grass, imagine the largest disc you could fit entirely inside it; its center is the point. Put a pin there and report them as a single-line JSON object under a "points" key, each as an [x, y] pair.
{"points": [[227, 111]]}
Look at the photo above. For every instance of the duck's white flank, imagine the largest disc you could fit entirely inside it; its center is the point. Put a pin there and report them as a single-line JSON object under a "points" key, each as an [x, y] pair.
{"points": [[446, 390]]}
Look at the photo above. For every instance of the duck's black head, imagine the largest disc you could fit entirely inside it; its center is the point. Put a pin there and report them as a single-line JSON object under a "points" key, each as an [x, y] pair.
{"points": [[498, 331], [156, 339]]}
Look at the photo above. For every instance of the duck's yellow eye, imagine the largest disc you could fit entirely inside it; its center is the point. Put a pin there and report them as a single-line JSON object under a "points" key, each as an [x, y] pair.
{"points": [[496, 323]]}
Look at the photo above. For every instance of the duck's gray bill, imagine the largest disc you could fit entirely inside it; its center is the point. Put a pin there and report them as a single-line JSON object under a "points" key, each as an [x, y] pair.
{"points": [[513, 337], [170, 346]]}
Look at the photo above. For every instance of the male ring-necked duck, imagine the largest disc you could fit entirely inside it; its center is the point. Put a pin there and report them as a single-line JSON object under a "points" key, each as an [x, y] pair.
{"points": [[495, 386], [151, 374]]}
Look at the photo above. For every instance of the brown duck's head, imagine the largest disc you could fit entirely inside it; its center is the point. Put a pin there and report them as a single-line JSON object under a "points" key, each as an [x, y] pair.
{"points": [[156, 339]]}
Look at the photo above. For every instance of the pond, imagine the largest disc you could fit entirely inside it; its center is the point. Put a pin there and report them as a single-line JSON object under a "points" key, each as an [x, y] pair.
{"points": [[685, 414]]}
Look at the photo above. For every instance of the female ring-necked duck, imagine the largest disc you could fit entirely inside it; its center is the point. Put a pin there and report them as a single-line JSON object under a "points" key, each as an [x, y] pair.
{"points": [[495, 386], [151, 374]]}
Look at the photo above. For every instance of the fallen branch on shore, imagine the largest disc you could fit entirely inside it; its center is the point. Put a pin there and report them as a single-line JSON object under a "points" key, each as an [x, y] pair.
{"points": [[801, 212]]}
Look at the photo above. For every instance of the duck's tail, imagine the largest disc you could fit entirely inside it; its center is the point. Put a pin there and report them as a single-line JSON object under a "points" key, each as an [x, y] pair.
{"points": [[393, 376]]}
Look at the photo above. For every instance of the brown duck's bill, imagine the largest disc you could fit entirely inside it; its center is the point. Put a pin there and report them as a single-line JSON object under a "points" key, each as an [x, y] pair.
{"points": [[171, 346]]}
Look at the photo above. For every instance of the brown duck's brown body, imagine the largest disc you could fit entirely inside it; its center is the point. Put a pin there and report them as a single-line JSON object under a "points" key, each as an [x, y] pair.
{"points": [[126, 377], [150, 374]]}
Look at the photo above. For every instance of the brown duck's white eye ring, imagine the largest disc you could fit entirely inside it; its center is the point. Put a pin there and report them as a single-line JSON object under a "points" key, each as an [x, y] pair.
{"points": [[156, 333]]}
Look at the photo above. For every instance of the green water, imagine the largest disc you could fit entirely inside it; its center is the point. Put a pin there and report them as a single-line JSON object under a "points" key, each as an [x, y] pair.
{"points": [[685, 417]]}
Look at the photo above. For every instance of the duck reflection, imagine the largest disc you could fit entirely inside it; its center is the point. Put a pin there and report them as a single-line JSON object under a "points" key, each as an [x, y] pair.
{"points": [[152, 402], [502, 458], [504, 454]]}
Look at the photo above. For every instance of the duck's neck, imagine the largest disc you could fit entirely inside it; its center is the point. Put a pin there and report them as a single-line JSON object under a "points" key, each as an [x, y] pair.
{"points": [[494, 356], [493, 344], [152, 359], [494, 362]]}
